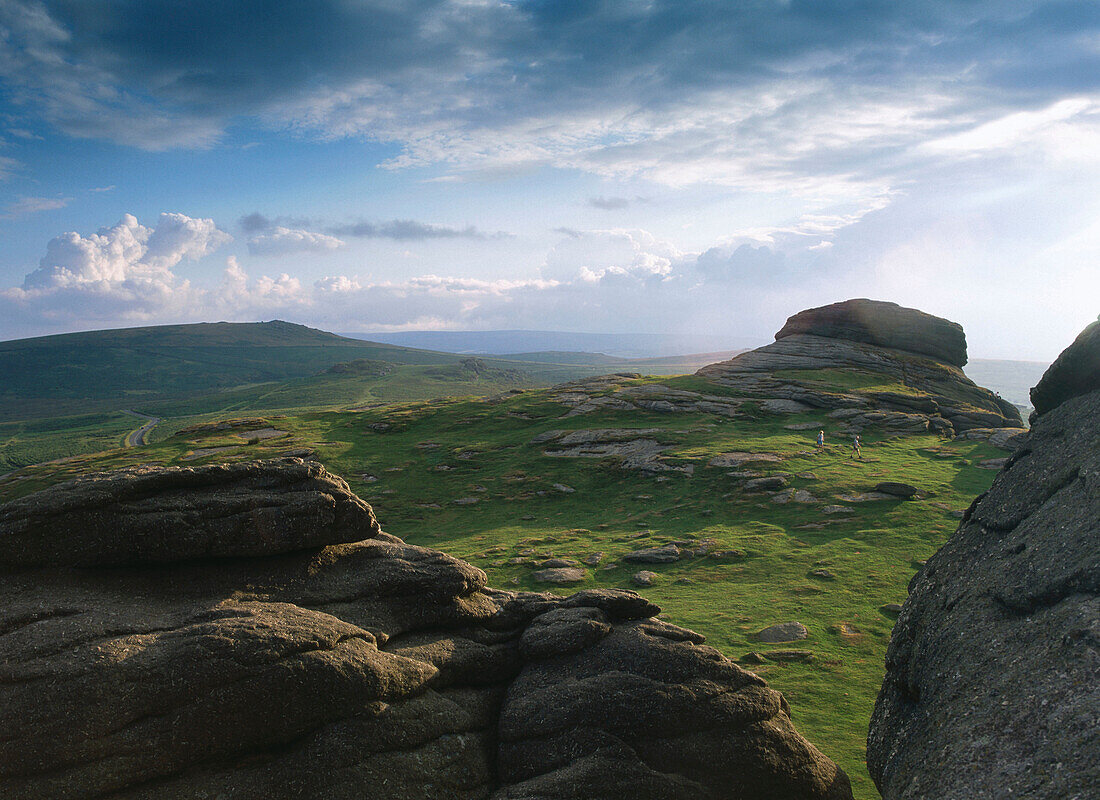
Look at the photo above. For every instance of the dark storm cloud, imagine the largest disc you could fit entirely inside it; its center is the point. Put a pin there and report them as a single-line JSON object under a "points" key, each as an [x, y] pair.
{"points": [[822, 97]]}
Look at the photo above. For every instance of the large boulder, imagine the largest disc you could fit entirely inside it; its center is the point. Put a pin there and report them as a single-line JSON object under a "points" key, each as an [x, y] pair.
{"points": [[219, 649], [992, 684], [885, 325], [1074, 372]]}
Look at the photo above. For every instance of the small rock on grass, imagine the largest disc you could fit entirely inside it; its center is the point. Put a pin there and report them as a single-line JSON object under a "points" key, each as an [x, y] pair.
{"points": [[560, 575], [752, 657], [654, 555], [897, 489], [592, 559], [823, 574], [643, 578], [891, 608], [561, 487], [783, 632]]}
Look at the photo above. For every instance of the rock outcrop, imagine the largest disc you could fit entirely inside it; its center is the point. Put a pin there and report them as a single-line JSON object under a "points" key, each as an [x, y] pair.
{"points": [[179, 633], [1074, 372], [992, 682], [905, 381], [884, 325]]}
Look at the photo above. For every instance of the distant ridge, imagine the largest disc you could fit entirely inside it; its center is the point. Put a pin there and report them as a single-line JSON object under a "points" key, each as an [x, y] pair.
{"points": [[621, 345]]}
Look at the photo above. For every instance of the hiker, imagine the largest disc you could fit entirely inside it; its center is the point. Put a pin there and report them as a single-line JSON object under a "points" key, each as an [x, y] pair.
{"points": [[856, 452], [821, 439]]}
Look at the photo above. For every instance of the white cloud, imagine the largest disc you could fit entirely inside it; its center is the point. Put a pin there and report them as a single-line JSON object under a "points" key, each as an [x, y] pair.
{"points": [[279, 241], [25, 206]]}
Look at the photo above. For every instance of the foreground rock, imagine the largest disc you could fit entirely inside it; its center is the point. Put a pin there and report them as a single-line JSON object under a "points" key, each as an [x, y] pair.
{"points": [[331, 660], [992, 682], [1076, 371]]}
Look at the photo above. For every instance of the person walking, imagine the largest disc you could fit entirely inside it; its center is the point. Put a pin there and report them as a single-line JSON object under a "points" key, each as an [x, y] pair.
{"points": [[821, 439], [856, 451]]}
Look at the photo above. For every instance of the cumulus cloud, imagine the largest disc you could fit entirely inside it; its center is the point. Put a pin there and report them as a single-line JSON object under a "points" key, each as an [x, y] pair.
{"points": [[279, 241]]}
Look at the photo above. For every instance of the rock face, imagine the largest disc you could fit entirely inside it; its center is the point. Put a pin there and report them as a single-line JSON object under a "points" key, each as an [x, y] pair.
{"points": [[992, 682], [251, 509], [304, 653], [1074, 372], [908, 361], [885, 325]]}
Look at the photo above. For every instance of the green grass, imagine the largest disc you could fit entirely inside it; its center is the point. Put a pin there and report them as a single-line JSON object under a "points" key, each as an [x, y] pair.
{"points": [[42, 440]]}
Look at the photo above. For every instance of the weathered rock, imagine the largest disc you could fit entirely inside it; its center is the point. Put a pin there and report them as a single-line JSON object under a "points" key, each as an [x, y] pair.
{"points": [[293, 665], [766, 484], [885, 325], [644, 578], [921, 352], [250, 509], [654, 555], [789, 655], [992, 684], [783, 632], [1075, 372], [560, 575], [897, 489]]}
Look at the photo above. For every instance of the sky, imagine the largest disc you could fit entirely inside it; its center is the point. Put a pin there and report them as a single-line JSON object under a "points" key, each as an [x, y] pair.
{"points": [[643, 166]]}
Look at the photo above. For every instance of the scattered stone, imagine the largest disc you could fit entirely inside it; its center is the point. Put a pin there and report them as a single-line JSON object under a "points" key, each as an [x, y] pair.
{"points": [[891, 608], [654, 555], [561, 487], [592, 559], [783, 632], [369, 478], [752, 657], [427, 445], [379, 426], [261, 434], [726, 555], [803, 426], [560, 575], [443, 468], [643, 578], [992, 463], [551, 563], [823, 574], [846, 629], [865, 497], [836, 510], [796, 496], [736, 459], [466, 501], [768, 484], [808, 476], [527, 517], [745, 474], [896, 489]]}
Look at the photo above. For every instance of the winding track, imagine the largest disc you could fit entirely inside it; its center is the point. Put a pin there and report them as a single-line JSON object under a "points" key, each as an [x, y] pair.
{"points": [[136, 438]]}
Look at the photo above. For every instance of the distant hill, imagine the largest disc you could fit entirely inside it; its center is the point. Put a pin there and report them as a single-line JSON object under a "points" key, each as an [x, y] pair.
{"points": [[500, 343], [77, 372]]}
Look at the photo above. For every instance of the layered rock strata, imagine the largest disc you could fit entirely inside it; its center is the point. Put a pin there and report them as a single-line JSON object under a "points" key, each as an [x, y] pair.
{"points": [[992, 685], [884, 325], [918, 363], [180, 633]]}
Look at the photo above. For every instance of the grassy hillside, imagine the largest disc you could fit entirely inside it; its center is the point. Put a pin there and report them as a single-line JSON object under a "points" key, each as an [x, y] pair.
{"points": [[464, 476], [69, 373]]}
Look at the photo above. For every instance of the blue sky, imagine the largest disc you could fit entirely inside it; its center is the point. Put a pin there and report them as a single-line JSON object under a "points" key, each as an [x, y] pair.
{"points": [[650, 166]]}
